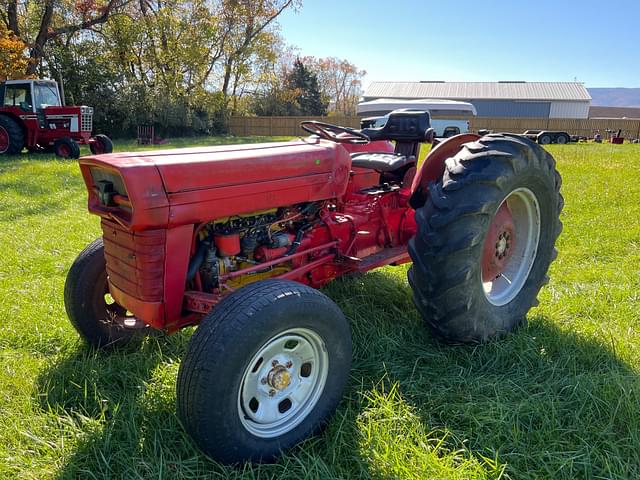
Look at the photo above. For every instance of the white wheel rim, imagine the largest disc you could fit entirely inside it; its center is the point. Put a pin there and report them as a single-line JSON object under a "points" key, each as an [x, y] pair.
{"points": [[526, 217], [283, 382]]}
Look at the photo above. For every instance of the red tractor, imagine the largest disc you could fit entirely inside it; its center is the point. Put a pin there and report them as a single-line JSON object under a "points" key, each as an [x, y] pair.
{"points": [[32, 116], [238, 239]]}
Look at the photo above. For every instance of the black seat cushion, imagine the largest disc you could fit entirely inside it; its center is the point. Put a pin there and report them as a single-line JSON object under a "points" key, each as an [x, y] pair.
{"points": [[382, 162]]}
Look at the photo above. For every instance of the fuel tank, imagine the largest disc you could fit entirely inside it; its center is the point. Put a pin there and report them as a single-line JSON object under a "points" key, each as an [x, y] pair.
{"points": [[168, 188]]}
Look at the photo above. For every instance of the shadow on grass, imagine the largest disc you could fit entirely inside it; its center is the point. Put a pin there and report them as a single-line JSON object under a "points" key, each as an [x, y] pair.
{"points": [[544, 401]]}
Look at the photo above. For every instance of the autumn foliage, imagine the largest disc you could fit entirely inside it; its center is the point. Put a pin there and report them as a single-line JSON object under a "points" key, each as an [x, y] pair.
{"points": [[184, 66], [13, 62]]}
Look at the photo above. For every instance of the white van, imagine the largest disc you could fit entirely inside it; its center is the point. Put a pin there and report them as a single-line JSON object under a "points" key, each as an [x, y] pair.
{"points": [[376, 113]]}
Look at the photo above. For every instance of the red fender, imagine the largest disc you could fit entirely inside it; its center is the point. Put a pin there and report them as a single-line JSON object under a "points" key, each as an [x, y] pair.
{"points": [[432, 168]]}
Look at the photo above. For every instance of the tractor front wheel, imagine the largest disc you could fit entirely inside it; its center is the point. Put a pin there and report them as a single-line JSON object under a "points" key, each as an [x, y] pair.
{"points": [[99, 320], [101, 144], [11, 136], [66, 147], [265, 370], [486, 238]]}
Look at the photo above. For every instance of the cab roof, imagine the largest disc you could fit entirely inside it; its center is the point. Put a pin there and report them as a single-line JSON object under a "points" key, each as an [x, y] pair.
{"points": [[30, 80]]}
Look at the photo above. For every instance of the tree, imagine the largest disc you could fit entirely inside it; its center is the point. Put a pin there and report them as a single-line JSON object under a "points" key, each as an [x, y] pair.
{"points": [[241, 23], [179, 51], [13, 63], [308, 99], [341, 82], [38, 22]]}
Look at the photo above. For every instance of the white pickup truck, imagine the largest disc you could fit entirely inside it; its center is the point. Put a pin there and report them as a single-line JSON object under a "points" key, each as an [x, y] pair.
{"points": [[376, 113]]}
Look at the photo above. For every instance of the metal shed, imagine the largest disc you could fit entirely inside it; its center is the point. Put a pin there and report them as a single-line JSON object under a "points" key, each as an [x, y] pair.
{"points": [[496, 99]]}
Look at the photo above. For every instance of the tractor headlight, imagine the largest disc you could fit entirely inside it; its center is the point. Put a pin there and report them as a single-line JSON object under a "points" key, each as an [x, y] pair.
{"points": [[110, 188]]}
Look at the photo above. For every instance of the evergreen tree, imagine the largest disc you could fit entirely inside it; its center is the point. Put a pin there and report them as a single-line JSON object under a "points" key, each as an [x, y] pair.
{"points": [[304, 82]]}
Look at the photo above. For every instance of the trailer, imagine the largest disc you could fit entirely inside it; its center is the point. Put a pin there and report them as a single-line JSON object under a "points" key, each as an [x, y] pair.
{"points": [[545, 137]]}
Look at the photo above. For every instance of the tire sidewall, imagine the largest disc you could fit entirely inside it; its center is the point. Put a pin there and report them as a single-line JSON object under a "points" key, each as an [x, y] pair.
{"points": [[107, 144], [453, 225], [84, 287], [285, 314], [14, 133]]}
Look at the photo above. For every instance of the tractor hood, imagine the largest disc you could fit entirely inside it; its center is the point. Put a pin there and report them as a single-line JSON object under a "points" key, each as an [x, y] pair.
{"points": [[164, 188]]}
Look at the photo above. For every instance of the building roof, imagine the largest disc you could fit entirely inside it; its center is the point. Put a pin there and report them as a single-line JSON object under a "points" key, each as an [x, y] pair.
{"points": [[389, 104], [564, 91], [614, 112]]}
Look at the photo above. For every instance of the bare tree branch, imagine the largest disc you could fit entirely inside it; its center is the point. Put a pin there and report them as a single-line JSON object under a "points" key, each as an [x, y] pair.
{"points": [[106, 12]]}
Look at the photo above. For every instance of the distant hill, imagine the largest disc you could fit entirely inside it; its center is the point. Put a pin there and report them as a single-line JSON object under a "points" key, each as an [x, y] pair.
{"points": [[615, 97]]}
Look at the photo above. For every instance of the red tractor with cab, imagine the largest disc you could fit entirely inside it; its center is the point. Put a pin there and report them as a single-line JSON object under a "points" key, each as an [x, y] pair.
{"points": [[239, 238], [32, 116]]}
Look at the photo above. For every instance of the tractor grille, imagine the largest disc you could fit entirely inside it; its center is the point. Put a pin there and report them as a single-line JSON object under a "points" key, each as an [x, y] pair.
{"points": [[86, 119], [135, 260]]}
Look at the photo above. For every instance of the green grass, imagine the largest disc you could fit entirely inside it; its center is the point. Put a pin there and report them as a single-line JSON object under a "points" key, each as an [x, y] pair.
{"points": [[558, 399]]}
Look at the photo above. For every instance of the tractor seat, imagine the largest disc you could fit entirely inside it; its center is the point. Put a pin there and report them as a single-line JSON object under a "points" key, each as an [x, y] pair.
{"points": [[381, 162]]}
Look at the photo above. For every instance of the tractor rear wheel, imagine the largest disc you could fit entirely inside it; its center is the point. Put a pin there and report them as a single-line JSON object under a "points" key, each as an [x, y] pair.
{"points": [[66, 147], [11, 136], [92, 311], [101, 144], [485, 239], [264, 370]]}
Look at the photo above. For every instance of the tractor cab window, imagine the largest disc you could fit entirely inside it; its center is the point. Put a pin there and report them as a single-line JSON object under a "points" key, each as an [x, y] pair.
{"points": [[18, 95], [46, 95]]}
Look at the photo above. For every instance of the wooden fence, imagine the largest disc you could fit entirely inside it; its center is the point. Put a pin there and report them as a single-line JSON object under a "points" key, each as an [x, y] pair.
{"points": [[290, 126], [282, 126]]}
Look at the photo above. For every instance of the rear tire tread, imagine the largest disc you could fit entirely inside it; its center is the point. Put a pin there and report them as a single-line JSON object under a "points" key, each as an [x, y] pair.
{"points": [[15, 133], [451, 228]]}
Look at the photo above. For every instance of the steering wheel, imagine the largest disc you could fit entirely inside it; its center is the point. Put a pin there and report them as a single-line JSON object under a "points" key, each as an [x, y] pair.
{"points": [[334, 132]]}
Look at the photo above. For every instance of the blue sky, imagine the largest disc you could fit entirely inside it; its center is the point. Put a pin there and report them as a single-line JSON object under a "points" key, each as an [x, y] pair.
{"points": [[595, 42]]}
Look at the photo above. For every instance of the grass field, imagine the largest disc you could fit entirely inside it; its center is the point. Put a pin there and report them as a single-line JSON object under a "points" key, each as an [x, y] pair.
{"points": [[559, 399]]}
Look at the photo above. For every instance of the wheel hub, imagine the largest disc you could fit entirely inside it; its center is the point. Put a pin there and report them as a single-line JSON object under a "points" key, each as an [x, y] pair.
{"points": [[65, 151], [503, 247], [499, 244], [279, 378], [283, 382]]}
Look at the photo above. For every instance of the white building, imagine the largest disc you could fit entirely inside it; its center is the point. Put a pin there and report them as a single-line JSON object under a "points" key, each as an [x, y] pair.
{"points": [[496, 99]]}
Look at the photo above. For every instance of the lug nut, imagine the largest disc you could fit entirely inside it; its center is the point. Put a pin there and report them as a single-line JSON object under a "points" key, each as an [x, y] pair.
{"points": [[272, 392], [289, 364], [274, 363], [263, 381]]}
